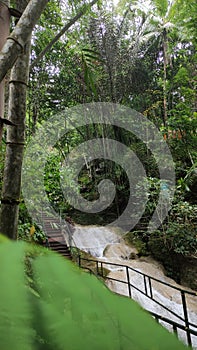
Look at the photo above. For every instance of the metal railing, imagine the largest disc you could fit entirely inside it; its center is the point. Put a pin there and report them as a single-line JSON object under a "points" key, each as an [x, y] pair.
{"points": [[185, 325]]}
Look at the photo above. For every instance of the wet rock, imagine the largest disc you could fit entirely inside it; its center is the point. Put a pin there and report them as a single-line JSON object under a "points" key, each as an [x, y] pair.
{"points": [[188, 272], [133, 256]]}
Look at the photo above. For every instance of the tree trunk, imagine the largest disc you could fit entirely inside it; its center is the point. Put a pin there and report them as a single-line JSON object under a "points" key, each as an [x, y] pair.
{"points": [[4, 32], [16, 41], [15, 141], [165, 63]]}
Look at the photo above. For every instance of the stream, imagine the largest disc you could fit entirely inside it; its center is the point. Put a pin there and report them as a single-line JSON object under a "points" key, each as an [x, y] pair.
{"points": [[107, 245]]}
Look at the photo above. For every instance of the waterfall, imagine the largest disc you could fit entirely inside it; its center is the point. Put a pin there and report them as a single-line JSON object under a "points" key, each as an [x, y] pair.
{"points": [[107, 244], [94, 239]]}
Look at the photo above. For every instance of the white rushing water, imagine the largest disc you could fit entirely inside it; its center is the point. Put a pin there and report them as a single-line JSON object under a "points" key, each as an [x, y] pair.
{"points": [[108, 245], [94, 239]]}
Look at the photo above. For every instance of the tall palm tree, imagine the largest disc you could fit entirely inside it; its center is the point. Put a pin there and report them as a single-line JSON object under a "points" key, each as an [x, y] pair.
{"points": [[161, 19], [159, 24], [156, 23]]}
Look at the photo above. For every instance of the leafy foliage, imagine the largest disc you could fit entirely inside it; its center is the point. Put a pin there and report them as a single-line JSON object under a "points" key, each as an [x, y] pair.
{"points": [[54, 305], [116, 53]]}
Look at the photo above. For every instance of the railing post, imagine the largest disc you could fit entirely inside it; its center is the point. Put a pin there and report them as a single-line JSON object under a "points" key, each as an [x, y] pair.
{"points": [[101, 268], [186, 318], [175, 330], [79, 260], [145, 286], [128, 281], [150, 287]]}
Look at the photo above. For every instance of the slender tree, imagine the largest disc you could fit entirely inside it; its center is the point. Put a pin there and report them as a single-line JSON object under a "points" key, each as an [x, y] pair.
{"points": [[163, 22], [15, 139], [16, 115], [160, 16], [16, 42], [4, 32], [81, 12], [18, 45]]}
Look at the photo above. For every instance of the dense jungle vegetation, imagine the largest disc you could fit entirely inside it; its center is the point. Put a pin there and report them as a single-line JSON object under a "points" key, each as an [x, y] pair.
{"points": [[138, 54]]}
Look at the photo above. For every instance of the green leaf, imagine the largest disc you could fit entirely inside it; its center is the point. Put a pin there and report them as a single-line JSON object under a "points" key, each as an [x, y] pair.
{"points": [[15, 315], [70, 309]]}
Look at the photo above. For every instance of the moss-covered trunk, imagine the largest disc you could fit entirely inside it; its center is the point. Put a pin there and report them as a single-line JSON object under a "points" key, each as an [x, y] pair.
{"points": [[4, 32], [16, 42], [17, 47], [15, 140]]}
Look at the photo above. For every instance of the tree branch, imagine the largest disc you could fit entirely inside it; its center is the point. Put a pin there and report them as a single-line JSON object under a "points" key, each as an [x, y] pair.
{"points": [[62, 31], [6, 121]]}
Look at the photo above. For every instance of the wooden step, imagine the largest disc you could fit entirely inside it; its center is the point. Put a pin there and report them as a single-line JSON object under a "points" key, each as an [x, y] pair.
{"points": [[56, 240], [62, 250]]}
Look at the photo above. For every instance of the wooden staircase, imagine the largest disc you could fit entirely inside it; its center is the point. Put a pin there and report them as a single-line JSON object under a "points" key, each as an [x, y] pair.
{"points": [[53, 231]]}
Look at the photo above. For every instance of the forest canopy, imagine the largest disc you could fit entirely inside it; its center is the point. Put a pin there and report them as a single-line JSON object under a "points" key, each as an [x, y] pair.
{"points": [[141, 55]]}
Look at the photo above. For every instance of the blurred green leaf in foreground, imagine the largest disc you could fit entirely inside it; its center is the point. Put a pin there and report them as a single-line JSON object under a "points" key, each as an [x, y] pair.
{"points": [[48, 303]]}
